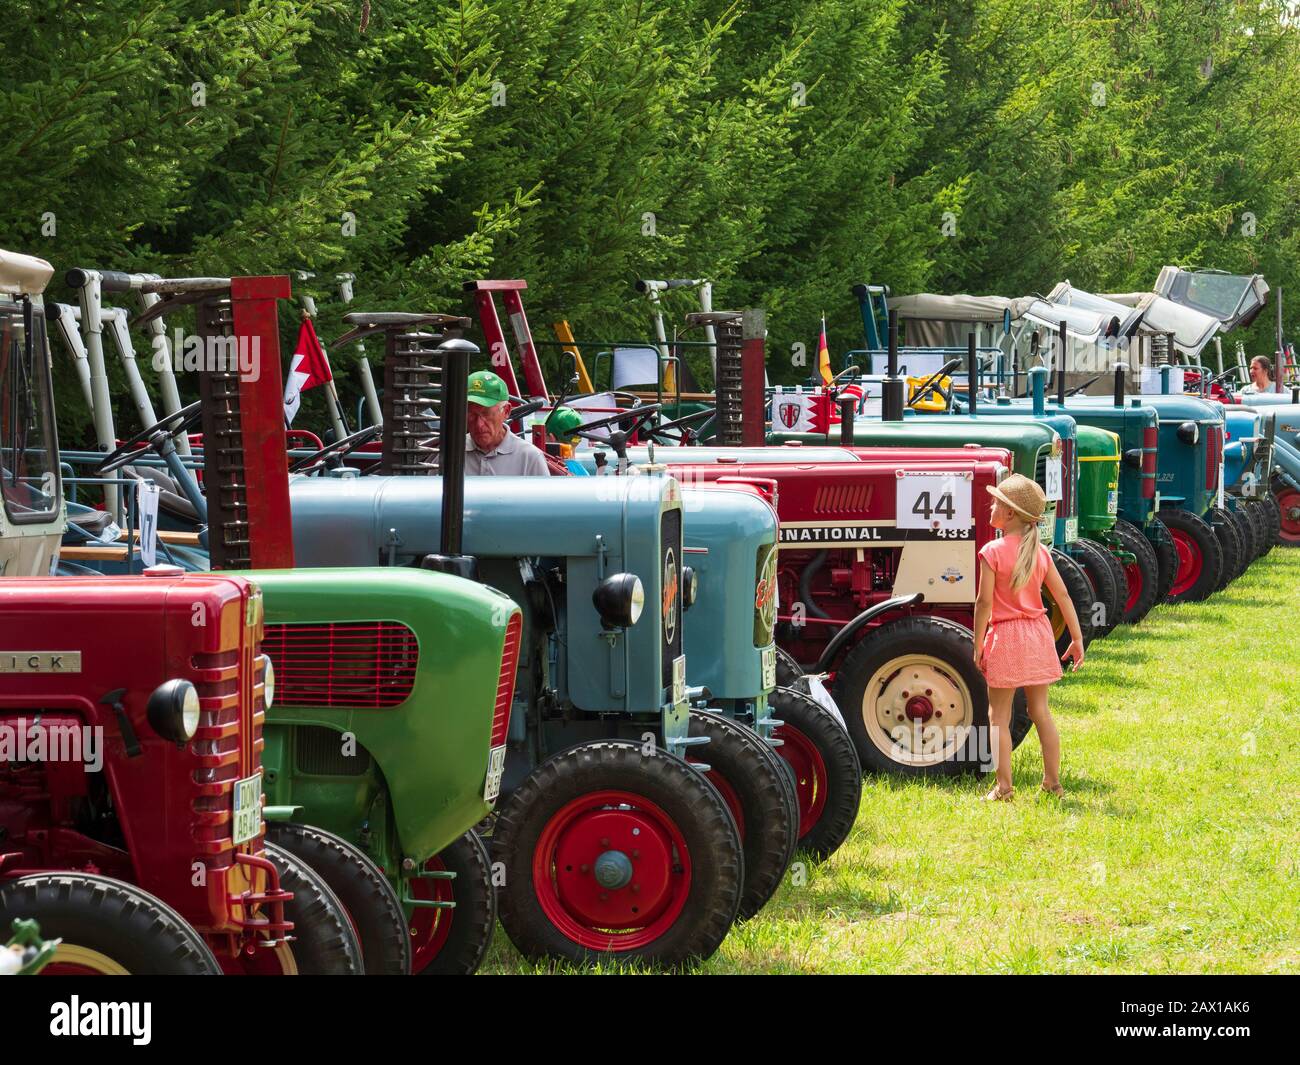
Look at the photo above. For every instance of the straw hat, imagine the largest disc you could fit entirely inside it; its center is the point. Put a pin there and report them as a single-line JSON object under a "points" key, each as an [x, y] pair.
{"points": [[1022, 495]]}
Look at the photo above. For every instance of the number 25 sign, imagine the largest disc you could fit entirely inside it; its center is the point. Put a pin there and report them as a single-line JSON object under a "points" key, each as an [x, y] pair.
{"points": [[933, 501]]}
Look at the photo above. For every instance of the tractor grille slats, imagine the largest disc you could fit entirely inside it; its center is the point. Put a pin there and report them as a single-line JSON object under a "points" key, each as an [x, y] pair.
{"points": [[364, 664], [320, 751], [506, 681]]}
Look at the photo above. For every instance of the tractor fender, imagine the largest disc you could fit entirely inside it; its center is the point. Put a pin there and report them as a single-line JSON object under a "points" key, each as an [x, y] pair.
{"points": [[842, 638], [281, 813]]}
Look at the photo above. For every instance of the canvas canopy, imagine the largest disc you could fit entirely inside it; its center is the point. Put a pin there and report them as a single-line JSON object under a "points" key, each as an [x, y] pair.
{"points": [[1234, 299], [942, 321]]}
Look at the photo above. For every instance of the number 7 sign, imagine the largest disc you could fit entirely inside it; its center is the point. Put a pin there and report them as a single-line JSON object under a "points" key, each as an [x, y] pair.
{"points": [[933, 501]]}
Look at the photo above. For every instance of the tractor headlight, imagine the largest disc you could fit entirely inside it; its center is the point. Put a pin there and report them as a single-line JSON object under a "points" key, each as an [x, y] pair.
{"points": [[690, 587], [268, 681], [173, 710], [619, 599], [1189, 433]]}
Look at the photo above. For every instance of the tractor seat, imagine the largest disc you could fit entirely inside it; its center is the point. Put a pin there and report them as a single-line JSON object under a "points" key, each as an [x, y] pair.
{"points": [[90, 520], [171, 500]]}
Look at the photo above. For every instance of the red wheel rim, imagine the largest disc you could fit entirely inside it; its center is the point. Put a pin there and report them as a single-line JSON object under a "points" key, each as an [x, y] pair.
{"points": [[639, 852], [810, 776], [1190, 563], [1133, 575], [1289, 504], [729, 796], [430, 925]]}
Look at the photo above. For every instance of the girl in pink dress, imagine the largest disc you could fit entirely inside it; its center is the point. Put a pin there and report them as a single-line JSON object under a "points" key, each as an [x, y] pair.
{"points": [[1014, 645]]}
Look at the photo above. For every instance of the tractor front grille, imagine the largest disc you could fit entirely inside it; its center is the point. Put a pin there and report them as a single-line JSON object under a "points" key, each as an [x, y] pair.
{"points": [[506, 681], [364, 664], [321, 752], [670, 544]]}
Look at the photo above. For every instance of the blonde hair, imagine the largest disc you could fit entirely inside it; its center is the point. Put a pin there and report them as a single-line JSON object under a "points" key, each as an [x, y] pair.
{"points": [[1027, 556]]}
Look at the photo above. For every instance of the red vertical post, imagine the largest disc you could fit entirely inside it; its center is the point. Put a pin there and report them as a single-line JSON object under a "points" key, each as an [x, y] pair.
{"points": [[261, 407], [494, 339], [753, 396], [524, 338]]}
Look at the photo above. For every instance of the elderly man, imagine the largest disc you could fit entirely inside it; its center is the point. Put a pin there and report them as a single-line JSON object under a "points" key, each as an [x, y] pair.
{"points": [[490, 447]]}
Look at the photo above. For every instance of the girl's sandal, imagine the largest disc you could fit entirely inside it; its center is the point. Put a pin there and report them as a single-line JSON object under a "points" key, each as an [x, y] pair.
{"points": [[1058, 791], [998, 795]]}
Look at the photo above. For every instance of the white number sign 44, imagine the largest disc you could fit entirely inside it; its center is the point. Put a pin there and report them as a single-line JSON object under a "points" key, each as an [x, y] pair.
{"points": [[933, 500]]}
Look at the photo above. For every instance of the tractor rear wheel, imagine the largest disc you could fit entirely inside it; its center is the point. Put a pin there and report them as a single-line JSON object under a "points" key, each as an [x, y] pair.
{"points": [[108, 927], [1287, 501], [1141, 576], [610, 852], [1247, 529], [826, 769], [752, 782], [1106, 576], [453, 938], [371, 903], [323, 942], [1229, 537], [913, 700], [1200, 558], [1079, 589], [788, 671]]}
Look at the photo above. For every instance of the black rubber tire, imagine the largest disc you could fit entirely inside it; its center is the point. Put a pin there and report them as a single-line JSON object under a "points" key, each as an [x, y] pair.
{"points": [[1079, 589], [952, 646], [372, 905], [1272, 521], [1257, 511], [323, 941], [744, 769], [788, 671], [1161, 541], [1229, 537], [474, 919], [1107, 580], [119, 920], [1202, 536], [1144, 573], [806, 720], [1247, 530], [697, 812]]}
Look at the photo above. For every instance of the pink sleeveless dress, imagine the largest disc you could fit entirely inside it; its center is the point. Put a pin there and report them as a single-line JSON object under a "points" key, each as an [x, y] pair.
{"points": [[1019, 648]]}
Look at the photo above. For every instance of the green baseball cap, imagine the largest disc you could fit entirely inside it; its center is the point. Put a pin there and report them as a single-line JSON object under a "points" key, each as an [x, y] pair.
{"points": [[487, 389], [563, 423]]}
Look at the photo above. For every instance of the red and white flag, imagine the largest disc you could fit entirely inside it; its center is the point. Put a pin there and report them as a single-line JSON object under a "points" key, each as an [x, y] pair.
{"points": [[309, 368]]}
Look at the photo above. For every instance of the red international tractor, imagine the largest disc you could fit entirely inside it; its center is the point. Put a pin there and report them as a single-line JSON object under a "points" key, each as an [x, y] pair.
{"points": [[131, 712]]}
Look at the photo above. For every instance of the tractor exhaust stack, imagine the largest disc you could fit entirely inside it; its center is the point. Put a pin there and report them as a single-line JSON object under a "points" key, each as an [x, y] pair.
{"points": [[972, 375], [892, 391]]}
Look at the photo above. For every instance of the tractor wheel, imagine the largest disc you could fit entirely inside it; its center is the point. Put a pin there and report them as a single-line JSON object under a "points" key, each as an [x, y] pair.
{"points": [[826, 770], [372, 905], [610, 852], [1106, 577], [913, 700], [1141, 576], [1162, 542], [108, 927], [788, 671], [1079, 589], [1229, 537], [1261, 516], [1246, 529], [1200, 558], [1287, 501], [748, 775], [452, 939], [1272, 521], [323, 942]]}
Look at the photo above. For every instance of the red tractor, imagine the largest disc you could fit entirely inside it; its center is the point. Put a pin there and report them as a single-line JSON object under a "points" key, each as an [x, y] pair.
{"points": [[131, 712]]}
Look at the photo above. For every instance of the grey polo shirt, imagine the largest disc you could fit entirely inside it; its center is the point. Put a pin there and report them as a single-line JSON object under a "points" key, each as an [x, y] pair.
{"points": [[513, 457]]}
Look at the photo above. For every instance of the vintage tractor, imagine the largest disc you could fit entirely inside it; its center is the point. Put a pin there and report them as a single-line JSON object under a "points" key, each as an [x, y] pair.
{"points": [[361, 768], [131, 723]]}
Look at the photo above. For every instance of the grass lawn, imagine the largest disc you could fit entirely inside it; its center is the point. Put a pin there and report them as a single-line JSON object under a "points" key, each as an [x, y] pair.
{"points": [[1176, 848]]}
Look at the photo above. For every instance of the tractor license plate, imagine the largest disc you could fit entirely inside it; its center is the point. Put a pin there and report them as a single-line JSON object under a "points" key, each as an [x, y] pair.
{"points": [[247, 821], [496, 770], [1071, 530], [1112, 503], [1053, 488], [679, 679], [769, 667]]}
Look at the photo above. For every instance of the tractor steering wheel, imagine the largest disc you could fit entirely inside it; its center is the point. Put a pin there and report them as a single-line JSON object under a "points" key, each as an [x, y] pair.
{"points": [[338, 449], [171, 427], [932, 383], [637, 417], [681, 424]]}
